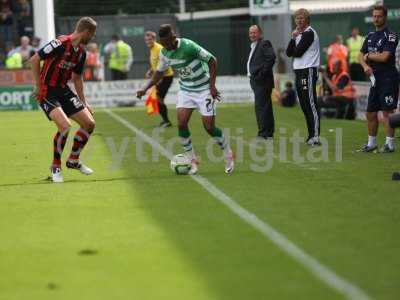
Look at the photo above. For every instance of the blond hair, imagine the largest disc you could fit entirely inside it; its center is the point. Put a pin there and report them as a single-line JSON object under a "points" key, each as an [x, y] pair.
{"points": [[150, 34], [303, 12], [86, 23]]}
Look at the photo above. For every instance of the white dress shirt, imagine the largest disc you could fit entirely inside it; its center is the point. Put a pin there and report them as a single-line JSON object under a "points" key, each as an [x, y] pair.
{"points": [[253, 47]]}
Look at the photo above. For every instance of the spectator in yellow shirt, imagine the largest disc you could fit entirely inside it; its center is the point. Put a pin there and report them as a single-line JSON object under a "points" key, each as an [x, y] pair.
{"points": [[354, 44], [14, 58], [164, 84]]}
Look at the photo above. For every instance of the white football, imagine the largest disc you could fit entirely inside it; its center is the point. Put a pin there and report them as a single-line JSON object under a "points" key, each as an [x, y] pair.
{"points": [[180, 164]]}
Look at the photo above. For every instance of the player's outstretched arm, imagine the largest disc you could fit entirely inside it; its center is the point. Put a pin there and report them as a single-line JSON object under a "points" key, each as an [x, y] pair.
{"points": [[154, 79], [35, 67], [78, 84], [212, 66], [148, 74]]}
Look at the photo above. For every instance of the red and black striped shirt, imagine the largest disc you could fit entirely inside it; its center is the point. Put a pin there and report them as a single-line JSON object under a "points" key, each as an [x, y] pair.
{"points": [[61, 58]]}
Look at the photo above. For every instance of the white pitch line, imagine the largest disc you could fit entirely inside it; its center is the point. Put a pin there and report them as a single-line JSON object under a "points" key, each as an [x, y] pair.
{"points": [[321, 272]]}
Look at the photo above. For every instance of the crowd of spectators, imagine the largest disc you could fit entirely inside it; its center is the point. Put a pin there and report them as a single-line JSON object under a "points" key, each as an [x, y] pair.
{"points": [[16, 29]]}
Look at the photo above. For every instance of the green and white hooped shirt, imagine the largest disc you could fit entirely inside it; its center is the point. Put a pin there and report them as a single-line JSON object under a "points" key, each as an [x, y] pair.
{"points": [[191, 62]]}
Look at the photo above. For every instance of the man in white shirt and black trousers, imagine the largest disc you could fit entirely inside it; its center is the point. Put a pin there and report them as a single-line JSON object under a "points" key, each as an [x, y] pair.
{"points": [[304, 48], [259, 69]]}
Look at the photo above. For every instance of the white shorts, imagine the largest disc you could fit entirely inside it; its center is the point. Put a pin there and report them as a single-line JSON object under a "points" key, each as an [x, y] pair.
{"points": [[202, 101]]}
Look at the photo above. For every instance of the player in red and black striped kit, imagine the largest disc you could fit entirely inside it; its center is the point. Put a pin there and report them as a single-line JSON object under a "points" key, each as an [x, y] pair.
{"points": [[64, 58]]}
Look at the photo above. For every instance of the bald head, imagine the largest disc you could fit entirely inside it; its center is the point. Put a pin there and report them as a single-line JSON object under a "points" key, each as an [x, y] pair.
{"points": [[25, 41], [255, 33]]}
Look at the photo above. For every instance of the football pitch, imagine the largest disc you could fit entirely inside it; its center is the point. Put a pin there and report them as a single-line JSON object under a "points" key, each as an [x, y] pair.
{"points": [[277, 228]]}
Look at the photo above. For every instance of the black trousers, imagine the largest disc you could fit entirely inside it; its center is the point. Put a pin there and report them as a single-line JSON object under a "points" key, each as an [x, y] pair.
{"points": [[306, 80], [118, 75], [162, 89], [263, 109]]}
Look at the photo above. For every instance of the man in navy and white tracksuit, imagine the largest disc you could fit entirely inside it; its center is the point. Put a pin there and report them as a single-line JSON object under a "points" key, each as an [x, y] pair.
{"points": [[304, 48], [378, 58]]}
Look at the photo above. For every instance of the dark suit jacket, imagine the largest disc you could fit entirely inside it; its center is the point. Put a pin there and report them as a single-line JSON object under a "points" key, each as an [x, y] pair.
{"points": [[261, 63]]}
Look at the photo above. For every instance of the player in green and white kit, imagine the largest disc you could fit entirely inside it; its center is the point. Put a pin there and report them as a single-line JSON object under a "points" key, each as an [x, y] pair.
{"points": [[197, 74]]}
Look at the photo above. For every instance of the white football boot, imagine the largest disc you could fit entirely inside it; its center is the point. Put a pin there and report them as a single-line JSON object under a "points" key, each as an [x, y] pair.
{"points": [[56, 175], [314, 141], [195, 166], [229, 162], [80, 167]]}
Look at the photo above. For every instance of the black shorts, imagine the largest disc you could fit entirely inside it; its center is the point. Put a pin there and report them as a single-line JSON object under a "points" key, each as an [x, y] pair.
{"points": [[163, 86], [384, 95], [61, 97]]}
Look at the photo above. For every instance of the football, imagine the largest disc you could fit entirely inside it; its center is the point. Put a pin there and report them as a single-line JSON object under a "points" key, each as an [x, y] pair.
{"points": [[180, 164]]}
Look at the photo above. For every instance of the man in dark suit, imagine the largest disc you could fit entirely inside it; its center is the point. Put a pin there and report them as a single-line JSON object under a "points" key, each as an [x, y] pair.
{"points": [[259, 69]]}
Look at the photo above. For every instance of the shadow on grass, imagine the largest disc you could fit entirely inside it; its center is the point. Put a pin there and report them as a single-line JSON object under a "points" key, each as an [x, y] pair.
{"points": [[233, 259]]}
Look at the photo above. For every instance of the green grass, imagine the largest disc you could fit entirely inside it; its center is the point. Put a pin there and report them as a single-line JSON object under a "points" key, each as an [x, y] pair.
{"points": [[151, 234]]}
